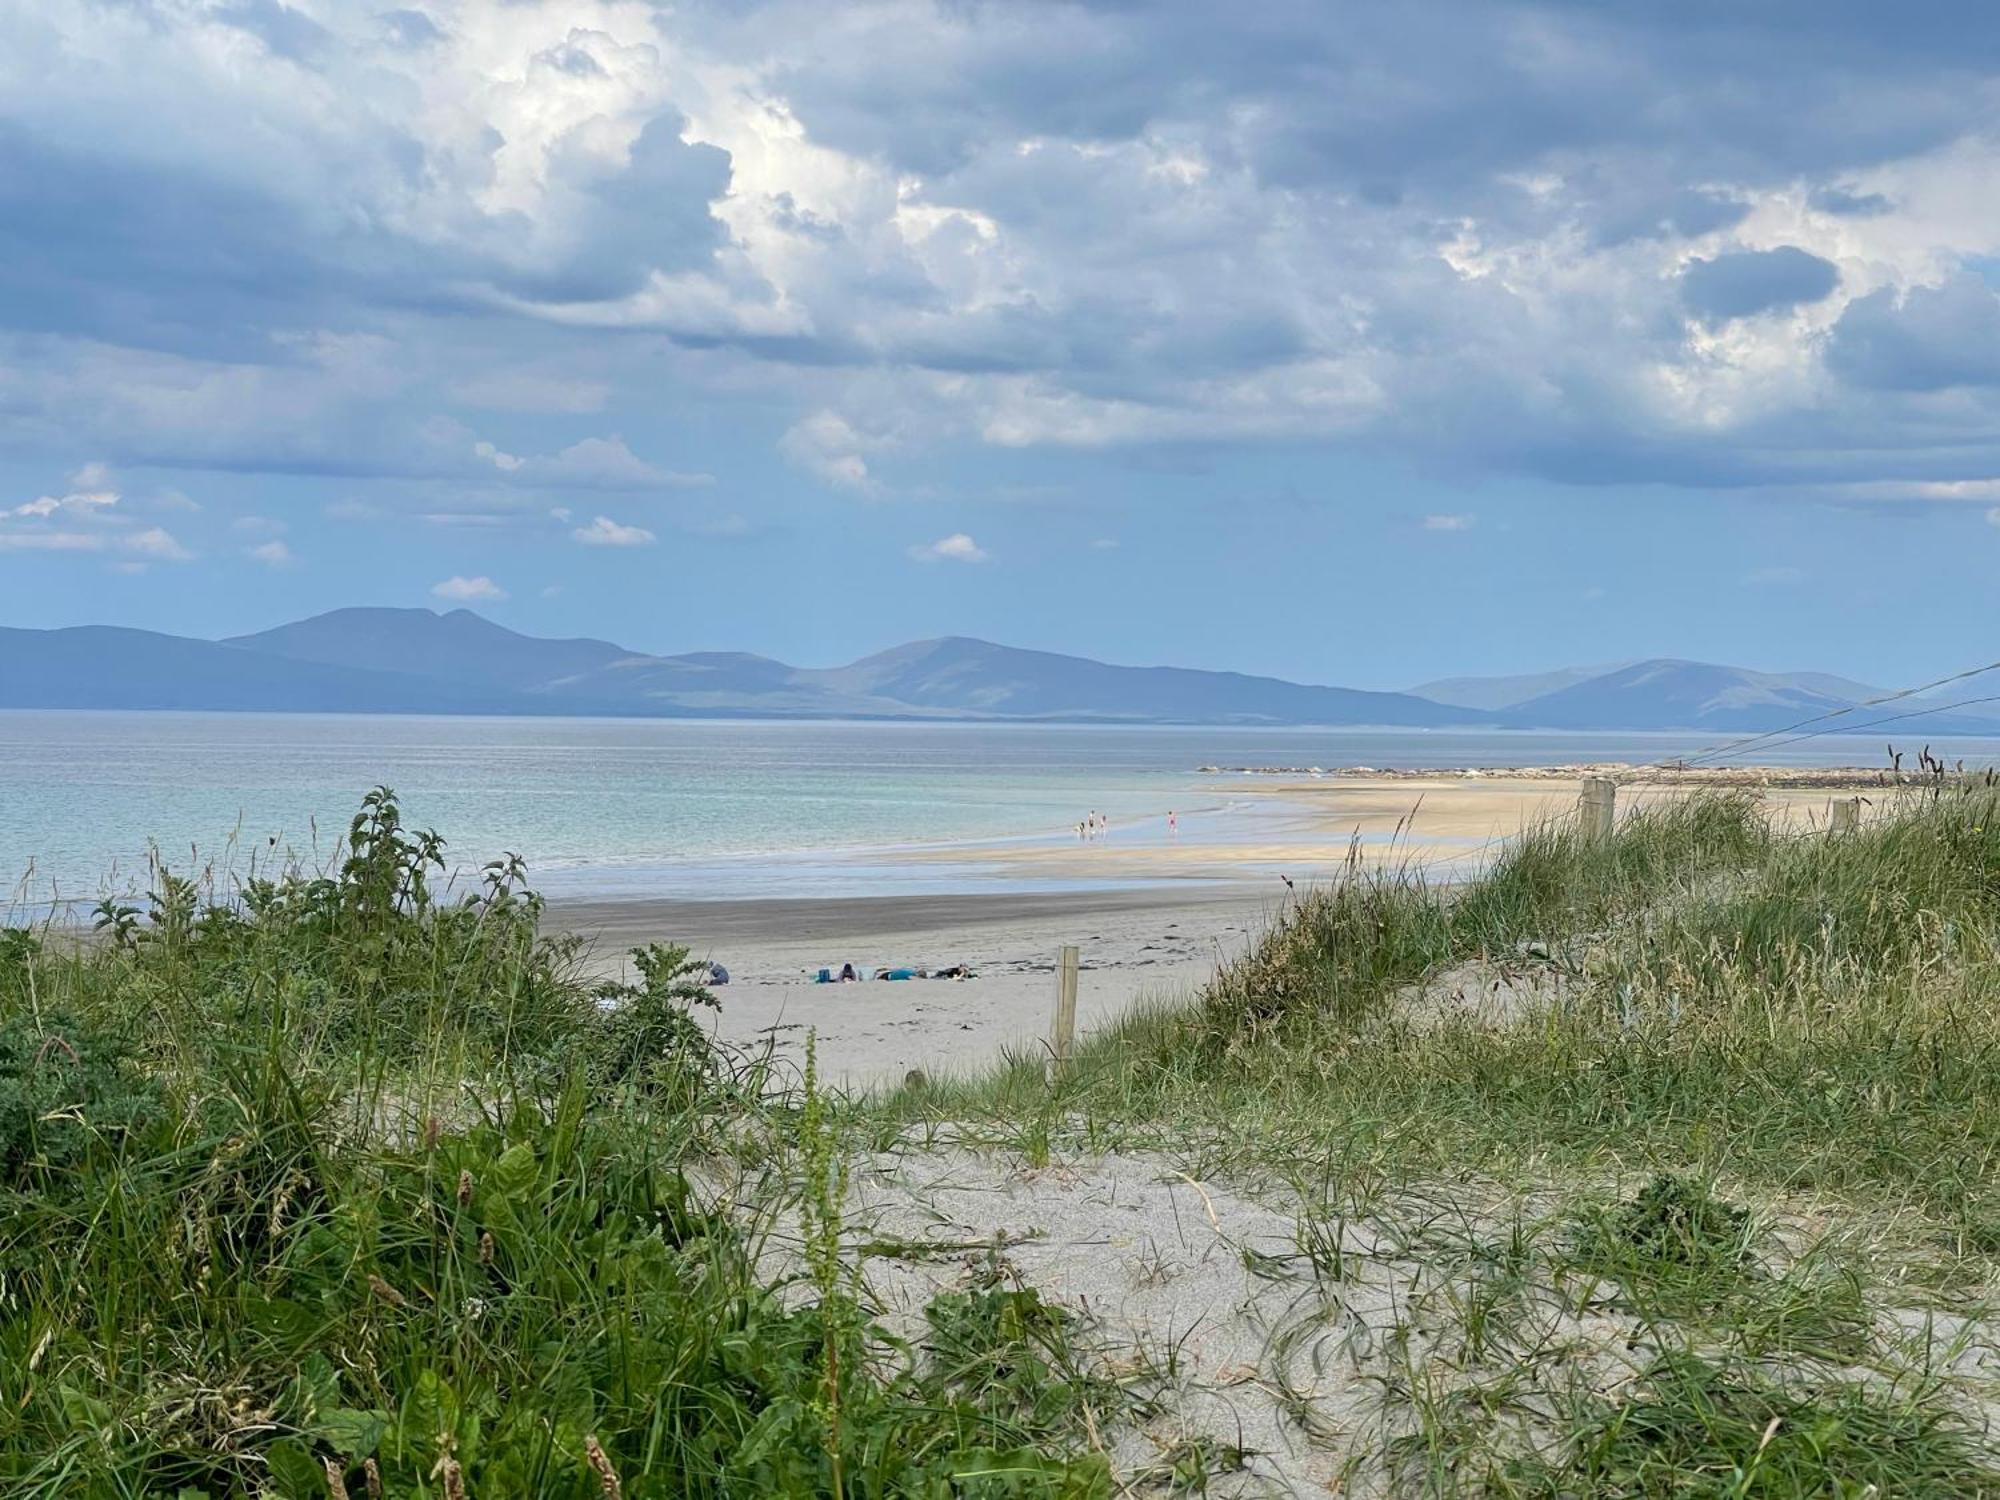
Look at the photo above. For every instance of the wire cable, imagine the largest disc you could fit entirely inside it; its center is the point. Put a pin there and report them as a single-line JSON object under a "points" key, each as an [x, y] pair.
{"points": [[1915, 713], [1732, 746]]}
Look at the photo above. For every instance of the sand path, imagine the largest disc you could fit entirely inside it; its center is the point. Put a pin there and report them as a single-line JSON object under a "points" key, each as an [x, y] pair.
{"points": [[1134, 946]]}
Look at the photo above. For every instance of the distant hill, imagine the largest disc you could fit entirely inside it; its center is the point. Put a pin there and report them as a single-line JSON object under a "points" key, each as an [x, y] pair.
{"points": [[460, 645], [422, 661], [105, 666], [418, 660], [1668, 694], [951, 678], [1664, 677], [1674, 695], [1494, 693], [975, 678]]}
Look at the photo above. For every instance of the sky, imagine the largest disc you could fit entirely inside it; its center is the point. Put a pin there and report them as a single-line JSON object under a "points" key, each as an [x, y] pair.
{"points": [[1354, 343]]}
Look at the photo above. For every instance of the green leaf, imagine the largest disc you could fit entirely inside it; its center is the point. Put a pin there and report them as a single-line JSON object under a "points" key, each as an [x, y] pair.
{"points": [[85, 1412], [295, 1473], [514, 1172], [352, 1433]]}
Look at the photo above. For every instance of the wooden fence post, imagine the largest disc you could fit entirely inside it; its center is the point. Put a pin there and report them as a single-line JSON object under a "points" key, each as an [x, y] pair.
{"points": [[1598, 806], [1846, 815], [1063, 1041]]}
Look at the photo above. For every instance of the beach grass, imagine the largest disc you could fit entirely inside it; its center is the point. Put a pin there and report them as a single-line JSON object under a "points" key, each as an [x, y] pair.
{"points": [[1734, 1091], [339, 1189], [1655, 1165]]}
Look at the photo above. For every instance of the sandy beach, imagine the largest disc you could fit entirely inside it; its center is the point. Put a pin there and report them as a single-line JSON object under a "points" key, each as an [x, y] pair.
{"points": [[1134, 946], [1152, 911]]}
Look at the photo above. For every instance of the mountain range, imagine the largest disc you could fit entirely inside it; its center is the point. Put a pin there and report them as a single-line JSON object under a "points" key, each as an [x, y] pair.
{"points": [[421, 661]]}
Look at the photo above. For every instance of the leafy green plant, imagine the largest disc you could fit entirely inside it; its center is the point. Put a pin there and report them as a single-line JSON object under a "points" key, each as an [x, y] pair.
{"points": [[1692, 1425], [648, 1033], [341, 1186], [65, 1085], [1674, 1220]]}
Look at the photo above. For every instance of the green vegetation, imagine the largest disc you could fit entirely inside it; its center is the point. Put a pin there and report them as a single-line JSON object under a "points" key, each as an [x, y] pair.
{"points": [[1713, 1108], [1664, 1165], [344, 1189]]}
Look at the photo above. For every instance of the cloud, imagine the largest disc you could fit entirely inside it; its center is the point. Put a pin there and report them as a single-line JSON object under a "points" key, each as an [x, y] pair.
{"points": [[1925, 339], [86, 521], [272, 554], [958, 547], [506, 463], [153, 544], [1458, 522], [605, 532], [469, 590], [51, 541], [1834, 199], [834, 448], [912, 228], [86, 502], [1742, 283], [604, 463]]}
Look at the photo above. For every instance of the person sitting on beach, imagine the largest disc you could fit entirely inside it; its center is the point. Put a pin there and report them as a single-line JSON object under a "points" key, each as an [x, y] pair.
{"points": [[717, 974], [847, 974]]}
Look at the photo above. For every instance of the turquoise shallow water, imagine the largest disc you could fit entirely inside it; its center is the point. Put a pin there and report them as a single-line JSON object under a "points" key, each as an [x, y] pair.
{"points": [[662, 807]]}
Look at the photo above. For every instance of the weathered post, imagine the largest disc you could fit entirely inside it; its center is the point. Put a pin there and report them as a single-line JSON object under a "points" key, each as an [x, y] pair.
{"points": [[1846, 815], [1063, 1040], [1598, 806]]}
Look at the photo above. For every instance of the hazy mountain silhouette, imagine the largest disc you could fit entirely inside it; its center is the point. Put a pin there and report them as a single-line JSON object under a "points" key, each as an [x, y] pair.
{"points": [[1665, 694], [460, 645], [106, 666], [421, 661]]}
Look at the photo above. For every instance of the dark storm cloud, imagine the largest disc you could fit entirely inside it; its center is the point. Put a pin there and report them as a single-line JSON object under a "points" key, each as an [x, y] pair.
{"points": [[1746, 282], [1498, 235], [1929, 339]]}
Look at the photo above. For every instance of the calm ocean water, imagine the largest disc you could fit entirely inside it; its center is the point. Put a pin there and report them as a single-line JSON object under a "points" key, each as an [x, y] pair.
{"points": [[660, 807]]}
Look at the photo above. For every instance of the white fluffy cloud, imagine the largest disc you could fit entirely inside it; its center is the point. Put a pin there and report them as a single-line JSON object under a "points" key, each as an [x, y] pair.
{"points": [[88, 521], [832, 447], [460, 590], [272, 554], [958, 547], [605, 532]]}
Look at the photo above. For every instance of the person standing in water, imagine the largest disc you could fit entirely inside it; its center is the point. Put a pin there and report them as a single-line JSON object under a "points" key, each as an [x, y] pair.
{"points": [[1173, 824]]}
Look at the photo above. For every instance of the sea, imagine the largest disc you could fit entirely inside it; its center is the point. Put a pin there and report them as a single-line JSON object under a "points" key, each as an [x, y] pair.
{"points": [[683, 809]]}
